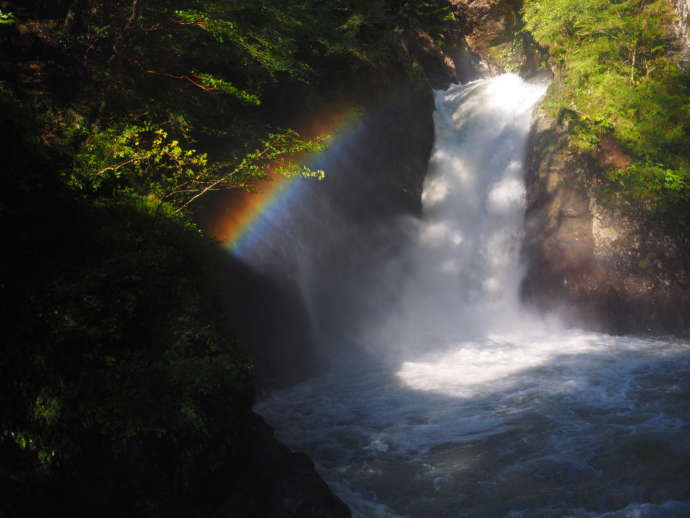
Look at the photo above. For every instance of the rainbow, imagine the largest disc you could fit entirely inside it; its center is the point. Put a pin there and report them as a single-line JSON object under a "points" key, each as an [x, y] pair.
{"points": [[243, 218]]}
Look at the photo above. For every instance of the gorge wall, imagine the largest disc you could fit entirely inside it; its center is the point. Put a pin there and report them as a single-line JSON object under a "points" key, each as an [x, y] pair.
{"points": [[593, 260], [487, 41], [317, 253]]}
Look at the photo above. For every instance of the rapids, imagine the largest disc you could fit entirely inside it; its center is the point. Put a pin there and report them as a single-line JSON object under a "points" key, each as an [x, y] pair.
{"points": [[458, 402]]}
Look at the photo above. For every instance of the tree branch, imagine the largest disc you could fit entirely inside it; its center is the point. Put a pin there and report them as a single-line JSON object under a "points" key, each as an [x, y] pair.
{"points": [[192, 79], [119, 166], [202, 192]]}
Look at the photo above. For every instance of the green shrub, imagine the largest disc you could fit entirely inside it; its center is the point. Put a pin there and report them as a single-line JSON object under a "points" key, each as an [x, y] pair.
{"points": [[122, 375], [617, 77]]}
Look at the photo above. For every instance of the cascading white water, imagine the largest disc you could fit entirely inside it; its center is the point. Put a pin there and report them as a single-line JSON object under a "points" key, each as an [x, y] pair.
{"points": [[467, 406], [462, 270]]}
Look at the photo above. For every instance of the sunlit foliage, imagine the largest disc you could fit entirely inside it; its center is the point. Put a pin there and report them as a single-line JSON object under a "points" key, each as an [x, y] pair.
{"points": [[617, 76], [144, 161]]}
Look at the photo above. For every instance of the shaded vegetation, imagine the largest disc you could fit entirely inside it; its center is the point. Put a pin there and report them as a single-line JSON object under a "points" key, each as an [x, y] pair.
{"points": [[616, 76], [123, 391], [191, 85], [119, 379]]}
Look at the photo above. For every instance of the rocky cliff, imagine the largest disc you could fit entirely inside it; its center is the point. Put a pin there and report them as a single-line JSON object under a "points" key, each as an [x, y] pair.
{"points": [[485, 43], [589, 256]]}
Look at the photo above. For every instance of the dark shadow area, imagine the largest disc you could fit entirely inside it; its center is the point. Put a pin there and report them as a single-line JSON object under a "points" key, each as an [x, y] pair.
{"points": [[312, 255], [271, 321]]}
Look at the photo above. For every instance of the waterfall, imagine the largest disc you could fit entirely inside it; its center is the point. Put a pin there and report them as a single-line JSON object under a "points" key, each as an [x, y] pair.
{"points": [[463, 404], [461, 272]]}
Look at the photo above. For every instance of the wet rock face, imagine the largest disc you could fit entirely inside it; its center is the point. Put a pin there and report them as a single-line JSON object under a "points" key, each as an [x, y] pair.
{"points": [[271, 320], [491, 31], [455, 63], [438, 66], [485, 27], [487, 42], [594, 262], [488, 22], [277, 483]]}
